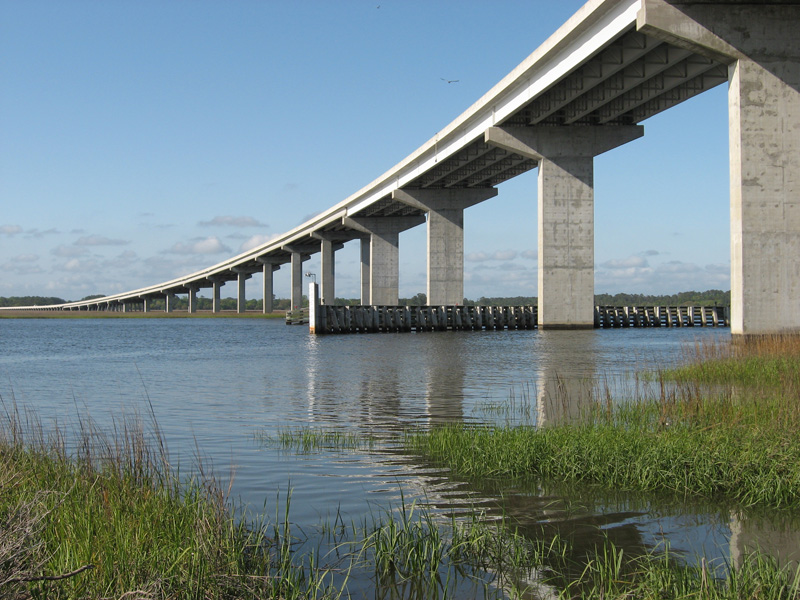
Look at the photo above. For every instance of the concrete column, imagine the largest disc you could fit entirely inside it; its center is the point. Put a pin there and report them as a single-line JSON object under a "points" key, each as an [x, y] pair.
{"points": [[365, 270], [268, 290], [169, 301], [124, 307], [445, 210], [145, 304], [328, 268], [566, 212], [192, 293], [215, 296], [241, 300], [297, 281], [384, 268], [760, 42]]}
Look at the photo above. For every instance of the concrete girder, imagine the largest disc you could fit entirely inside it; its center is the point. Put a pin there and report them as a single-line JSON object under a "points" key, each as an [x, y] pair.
{"points": [[760, 44], [615, 58], [566, 212], [380, 269], [445, 260]]}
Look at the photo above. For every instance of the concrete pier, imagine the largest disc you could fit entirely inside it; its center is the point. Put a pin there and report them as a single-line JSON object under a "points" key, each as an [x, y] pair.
{"points": [[761, 45], [268, 293], [445, 261], [566, 212], [381, 253]]}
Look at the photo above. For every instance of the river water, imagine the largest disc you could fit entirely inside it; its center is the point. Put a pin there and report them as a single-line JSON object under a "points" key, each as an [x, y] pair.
{"points": [[220, 387]]}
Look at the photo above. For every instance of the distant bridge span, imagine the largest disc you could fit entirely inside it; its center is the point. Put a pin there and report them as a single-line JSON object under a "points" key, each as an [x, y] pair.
{"points": [[583, 92]]}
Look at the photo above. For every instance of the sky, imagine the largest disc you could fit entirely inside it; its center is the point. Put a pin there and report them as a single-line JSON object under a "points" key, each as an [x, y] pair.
{"points": [[142, 140]]}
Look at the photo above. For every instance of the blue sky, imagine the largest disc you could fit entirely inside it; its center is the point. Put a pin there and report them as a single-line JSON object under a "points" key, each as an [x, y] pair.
{"points": [[143, 140]]}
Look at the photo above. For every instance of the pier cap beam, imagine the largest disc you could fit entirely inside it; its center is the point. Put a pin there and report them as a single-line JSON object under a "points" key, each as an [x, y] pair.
{"points": [[566, 212], [445, 260], [760, 43], [383, 254]]}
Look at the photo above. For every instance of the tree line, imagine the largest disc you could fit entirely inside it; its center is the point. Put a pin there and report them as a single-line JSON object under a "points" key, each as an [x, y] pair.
{"points": [[707, 298]]}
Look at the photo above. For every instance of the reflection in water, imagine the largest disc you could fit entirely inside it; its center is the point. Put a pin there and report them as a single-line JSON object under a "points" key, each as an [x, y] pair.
{"points": [[259, 376], [566, 376], [777, 537], [444, 373]]}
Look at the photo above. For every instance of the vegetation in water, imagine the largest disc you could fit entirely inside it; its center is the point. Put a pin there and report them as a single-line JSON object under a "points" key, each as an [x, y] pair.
{"points": [[100, 517], [306, 439], [736, 443], [107, 516]]}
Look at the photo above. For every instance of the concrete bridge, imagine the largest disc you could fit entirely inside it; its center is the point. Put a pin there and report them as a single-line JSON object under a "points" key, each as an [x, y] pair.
{"points": [[584, 91]]}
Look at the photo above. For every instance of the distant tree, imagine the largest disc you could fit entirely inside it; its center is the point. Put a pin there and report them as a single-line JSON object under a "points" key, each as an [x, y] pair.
{"points": [[707, 298], [420, 299], [93, 297], [30, 300]]}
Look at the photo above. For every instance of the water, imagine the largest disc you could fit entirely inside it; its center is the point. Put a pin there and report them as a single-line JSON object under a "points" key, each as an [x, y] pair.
{"points": [[219, 386]]}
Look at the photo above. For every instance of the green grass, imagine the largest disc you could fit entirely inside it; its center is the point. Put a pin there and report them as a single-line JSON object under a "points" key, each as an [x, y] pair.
{"points": [[767, 362], [307, 439], [111, 517], [731, 441]]}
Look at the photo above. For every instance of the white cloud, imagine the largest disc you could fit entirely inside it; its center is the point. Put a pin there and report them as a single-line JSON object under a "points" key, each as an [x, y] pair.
{"points": [[99, 240], [22, 264], [530, 254], [626, 275], [35, 233], [504, 255], [636, 262], [209, 245], [255, 241], [10, 229], [75, 265], [230, 221], [68, 251]]}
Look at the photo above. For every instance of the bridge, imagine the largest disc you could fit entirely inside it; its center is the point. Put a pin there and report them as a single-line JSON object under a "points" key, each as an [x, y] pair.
{"points": [[585, 91]]}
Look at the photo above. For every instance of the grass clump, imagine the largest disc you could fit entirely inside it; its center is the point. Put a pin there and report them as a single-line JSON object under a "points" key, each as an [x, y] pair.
{"points": [[760, 362], [110, 517], [723, 442], [308, 439]]}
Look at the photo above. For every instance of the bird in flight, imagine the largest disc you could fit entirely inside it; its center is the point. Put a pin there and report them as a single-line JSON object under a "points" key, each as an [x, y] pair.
{"points": [[449, 80]]}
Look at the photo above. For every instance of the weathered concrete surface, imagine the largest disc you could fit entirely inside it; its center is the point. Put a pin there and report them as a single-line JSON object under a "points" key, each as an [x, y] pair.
{"points": [[365, 270], [296, 276], [192, 297], [445, 260], [268, 292], [566, 212], [241, 300], [762, 44], [384, 243], [327, 287], [215, 296]]}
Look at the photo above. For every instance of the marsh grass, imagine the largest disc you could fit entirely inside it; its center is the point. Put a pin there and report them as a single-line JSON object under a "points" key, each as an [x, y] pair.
{"points": [[308, 439], [727, 441], [100, 516], [770, 362]]}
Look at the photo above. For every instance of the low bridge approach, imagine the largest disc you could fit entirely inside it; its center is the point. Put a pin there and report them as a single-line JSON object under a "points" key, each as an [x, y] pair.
{"points": [[584, 91]]}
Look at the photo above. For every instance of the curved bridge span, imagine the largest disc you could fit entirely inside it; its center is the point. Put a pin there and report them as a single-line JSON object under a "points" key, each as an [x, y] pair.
{"points": [[583, 92]]}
